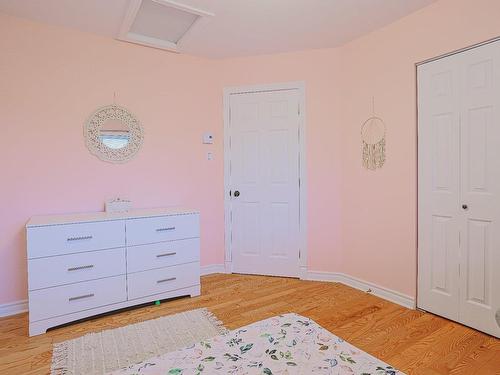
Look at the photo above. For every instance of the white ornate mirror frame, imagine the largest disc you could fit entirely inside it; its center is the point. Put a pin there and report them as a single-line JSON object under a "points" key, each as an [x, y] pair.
{"points": [[93, 136]]}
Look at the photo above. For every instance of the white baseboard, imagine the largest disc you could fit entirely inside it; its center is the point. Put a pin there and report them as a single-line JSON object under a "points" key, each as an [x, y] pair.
{"points": [[13, 308], [379, 291], [304, 274], [212, 268]]}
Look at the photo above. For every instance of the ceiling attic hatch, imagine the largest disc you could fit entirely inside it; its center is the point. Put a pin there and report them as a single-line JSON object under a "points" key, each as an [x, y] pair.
{"points": [[160, 23]]}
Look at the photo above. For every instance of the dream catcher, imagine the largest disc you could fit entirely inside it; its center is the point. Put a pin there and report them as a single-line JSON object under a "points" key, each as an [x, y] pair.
{"points": [[373, 137]]}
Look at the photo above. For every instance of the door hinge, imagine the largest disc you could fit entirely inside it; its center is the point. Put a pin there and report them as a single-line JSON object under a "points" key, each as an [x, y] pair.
{"points": [[298, 110], [299, 254]]}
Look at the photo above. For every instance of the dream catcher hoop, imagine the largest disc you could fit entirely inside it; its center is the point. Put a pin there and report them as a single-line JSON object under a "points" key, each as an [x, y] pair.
{"points": [[373, 133]]}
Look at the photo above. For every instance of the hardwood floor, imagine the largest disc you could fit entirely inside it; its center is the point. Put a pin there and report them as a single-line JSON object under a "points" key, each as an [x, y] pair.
{"points": [[413, 341]]}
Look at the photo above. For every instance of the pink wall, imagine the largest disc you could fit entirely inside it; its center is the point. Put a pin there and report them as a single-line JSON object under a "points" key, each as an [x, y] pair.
{"points": [[360, 222], [379, 209], [363, 223], [51, 79]]}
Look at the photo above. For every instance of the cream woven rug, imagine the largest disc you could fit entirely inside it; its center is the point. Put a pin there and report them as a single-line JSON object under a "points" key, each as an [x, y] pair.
{"points": [[106, 351]]}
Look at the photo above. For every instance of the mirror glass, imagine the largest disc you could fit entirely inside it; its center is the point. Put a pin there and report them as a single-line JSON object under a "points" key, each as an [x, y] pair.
{"points": [[114, 134]]}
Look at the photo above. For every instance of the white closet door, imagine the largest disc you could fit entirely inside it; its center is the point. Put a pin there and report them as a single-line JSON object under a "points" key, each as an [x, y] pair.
{"points": [[480, 185], [439, 187], [265, 182], [459, 187]]}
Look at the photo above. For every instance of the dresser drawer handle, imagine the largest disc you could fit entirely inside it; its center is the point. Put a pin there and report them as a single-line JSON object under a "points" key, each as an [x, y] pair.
{"points": [[165, 229], [81, 268], [165, 280], [165, 255], [81, 297], [82, 238]]}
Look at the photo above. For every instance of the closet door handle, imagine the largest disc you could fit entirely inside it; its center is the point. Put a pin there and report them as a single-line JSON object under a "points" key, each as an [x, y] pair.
{"points": [[465, 207]]}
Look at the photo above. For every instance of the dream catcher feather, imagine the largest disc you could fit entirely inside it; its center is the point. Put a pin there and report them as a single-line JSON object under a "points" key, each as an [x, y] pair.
{"points": [[373, 137]]}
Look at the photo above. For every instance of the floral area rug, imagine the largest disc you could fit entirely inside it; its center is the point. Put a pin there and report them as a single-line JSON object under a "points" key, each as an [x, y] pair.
{"points": [[285, 345]]}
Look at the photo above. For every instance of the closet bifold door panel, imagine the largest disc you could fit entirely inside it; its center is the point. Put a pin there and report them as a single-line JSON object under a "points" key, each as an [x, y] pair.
{"points": [[439, 188], [480, 187], [459, 187]]}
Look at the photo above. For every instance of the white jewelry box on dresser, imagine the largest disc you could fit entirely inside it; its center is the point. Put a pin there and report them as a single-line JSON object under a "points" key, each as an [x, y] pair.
{"points": [[88, 264]]}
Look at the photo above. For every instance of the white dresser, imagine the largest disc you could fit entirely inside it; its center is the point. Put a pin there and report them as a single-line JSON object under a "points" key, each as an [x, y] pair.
{"points": [[88, 264]]}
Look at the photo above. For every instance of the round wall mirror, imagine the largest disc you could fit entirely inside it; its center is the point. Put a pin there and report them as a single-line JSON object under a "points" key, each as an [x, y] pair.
{"points": [[113, 134]]}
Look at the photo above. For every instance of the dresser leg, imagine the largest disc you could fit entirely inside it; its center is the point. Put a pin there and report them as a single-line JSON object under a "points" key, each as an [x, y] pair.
{"points": [[195, 291], [36, 329]]}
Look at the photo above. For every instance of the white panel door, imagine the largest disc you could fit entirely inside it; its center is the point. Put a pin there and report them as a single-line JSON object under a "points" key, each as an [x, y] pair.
{"points": [[264, 180], [480, 219], [439, 188], [459, 187]]}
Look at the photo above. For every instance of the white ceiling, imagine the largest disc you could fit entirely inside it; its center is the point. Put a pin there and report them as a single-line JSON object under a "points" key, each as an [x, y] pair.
{"points": [[239, 27]]}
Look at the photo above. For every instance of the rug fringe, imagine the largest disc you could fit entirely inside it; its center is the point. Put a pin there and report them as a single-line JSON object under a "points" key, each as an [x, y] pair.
{"points": [[59, 364], [213, 319]]}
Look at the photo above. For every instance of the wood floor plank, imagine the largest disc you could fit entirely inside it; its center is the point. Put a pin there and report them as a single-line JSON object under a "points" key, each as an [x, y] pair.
{"points": [[408, 334], [416, 342], [480, 359], [426, 350], [451, 361]]}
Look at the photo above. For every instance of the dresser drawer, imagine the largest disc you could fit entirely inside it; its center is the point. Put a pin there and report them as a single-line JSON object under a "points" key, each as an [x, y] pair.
{"points": [[163, 280], [74, 238], [67, 299], [162, 254], [67, 269], [158, 229]]}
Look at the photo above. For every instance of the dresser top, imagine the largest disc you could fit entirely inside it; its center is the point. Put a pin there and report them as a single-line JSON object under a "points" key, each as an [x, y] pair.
{"points": [[38, 221]]}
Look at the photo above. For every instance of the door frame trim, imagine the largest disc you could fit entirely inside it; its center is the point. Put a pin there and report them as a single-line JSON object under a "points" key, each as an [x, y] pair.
{"points": [[228, 91]]}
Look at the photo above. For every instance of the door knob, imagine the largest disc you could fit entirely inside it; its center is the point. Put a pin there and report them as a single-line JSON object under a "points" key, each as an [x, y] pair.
{"points": [[465, 207], [236, 193]]}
